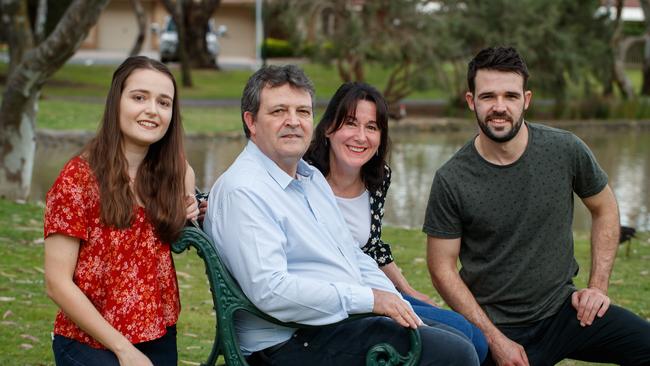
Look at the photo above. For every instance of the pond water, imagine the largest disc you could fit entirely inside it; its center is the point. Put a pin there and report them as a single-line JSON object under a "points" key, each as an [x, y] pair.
{"points": [[623, 153]]}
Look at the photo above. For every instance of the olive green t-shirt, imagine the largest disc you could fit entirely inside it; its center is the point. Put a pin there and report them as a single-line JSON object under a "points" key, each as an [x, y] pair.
{"points": [[515, 221]]}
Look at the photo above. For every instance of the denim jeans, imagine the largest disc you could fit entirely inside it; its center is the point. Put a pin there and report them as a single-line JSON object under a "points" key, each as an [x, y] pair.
{"points": [[69, 352], [454, 320]]}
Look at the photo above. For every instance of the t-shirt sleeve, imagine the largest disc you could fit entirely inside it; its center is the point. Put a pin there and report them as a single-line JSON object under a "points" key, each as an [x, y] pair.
{"points": [[65, 208], [442, 217], [588, 177]]}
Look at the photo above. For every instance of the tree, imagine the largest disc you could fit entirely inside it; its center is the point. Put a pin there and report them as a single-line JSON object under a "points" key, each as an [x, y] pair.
{"points": [[31, 64], [645, 87], [562, 41], [620, 45], [141, 19], [397, 35], [194, 20]]}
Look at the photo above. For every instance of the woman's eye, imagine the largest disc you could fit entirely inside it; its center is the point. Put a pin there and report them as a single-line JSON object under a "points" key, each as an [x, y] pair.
{"points": [[138, 97], [373, 128], [165, 103]]}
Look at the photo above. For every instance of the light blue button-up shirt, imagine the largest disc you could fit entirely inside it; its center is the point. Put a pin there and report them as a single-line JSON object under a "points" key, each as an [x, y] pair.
{"points": [[289, 248]]}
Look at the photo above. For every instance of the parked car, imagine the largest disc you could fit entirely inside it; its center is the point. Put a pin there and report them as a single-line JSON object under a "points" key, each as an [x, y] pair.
{"points": [[169, 39]]}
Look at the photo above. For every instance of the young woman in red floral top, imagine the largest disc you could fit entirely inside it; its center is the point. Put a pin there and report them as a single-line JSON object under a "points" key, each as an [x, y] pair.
{"points": [[110, 217]]}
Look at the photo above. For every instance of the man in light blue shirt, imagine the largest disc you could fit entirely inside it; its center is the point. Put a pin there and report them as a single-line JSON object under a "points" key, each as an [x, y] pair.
{"points": [[277, 227]]}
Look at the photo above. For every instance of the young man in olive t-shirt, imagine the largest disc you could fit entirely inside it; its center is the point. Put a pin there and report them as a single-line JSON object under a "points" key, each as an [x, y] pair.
{"points": [[503, 204]]}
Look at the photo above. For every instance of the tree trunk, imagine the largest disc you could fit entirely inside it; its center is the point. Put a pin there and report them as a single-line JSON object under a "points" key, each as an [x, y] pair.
{"points": [[186, 76], [18, 31], [19, 103], [619, 50], [141, 19], [645, 86], [41, 19], [196, 15]]}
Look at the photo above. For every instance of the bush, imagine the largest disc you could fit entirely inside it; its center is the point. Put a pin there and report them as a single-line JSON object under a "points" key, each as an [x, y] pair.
{"points": [[273, 47]]}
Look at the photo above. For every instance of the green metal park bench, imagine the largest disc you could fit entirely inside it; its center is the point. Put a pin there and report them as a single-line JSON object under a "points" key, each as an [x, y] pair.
{"points": [[228, 298]]}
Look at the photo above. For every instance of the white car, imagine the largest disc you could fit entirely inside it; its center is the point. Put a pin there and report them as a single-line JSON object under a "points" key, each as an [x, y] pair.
{"points": [[169, 40]]}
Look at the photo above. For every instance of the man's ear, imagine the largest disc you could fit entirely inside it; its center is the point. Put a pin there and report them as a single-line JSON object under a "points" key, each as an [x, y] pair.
{"points": [[469, 98], [528, 96], [249, 119]]}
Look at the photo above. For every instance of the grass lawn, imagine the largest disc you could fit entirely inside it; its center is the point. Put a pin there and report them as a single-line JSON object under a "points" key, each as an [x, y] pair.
{"points": [[27, 314], [77, 115], [81, 80]]}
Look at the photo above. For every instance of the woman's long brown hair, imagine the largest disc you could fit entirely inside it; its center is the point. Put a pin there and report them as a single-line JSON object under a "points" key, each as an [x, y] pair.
{"points": [[159, 181]]}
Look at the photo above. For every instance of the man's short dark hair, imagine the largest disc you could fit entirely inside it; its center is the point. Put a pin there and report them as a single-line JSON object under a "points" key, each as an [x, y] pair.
{"points": [[272, 76], [496, 58]]}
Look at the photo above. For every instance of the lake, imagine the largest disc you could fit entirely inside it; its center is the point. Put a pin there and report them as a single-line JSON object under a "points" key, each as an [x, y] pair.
{"points": [[623, 153]]}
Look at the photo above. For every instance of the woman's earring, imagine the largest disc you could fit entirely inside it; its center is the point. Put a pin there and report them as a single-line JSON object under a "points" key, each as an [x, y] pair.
{"points": [[327, 141]]}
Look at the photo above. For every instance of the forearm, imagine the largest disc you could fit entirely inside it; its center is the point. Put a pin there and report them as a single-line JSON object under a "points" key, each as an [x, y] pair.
{"points": [[605, 231], [456, 294], [604, 244], [74, 303], [396, 277]]}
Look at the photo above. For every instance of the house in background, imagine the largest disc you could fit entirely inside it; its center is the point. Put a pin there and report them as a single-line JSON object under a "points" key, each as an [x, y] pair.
{"points": [[117, 28]]}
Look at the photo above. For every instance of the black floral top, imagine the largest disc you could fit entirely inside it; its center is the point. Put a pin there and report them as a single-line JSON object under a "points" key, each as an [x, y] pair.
{"points": [[376, 248]]}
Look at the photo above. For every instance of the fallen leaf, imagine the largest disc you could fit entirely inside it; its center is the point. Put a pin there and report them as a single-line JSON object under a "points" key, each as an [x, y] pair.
{"points": [[7, 314], [191, 335], [189, 363], [617, 282], [193, 347], [26, 346], [183, 274], [643, 273], [30, 337], [8, 275], [39, 241], [40, 270], [7, 298], [8, 322], [418, 260]]}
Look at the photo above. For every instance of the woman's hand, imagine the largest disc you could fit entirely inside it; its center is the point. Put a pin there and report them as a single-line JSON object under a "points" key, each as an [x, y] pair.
{"points": [[132, 356], [203, 208], [192, 207], [420, 296]]}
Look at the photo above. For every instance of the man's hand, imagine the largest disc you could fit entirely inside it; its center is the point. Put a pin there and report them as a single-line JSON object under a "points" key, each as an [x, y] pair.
{"points": [[506, 352], [391, 305], [590, 302]]}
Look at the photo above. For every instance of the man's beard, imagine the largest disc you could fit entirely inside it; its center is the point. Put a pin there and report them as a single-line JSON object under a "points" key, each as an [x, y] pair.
{"points": [[505, 138]]}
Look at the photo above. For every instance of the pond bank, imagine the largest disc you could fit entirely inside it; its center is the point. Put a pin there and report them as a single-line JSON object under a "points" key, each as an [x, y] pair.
{"points": [[51, 137], [423, 124]]}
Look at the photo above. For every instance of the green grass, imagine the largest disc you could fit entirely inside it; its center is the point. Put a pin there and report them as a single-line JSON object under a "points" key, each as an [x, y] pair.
{"points": [[94, 81], [27, 314], [77, 115]]}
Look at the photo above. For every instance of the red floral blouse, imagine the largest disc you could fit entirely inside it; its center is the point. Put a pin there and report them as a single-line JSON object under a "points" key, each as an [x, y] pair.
{"points": [[128, 274]]}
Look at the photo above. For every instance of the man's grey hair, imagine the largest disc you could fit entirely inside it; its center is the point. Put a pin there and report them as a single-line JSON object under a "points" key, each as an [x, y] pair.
{"points": [[272, 76]]}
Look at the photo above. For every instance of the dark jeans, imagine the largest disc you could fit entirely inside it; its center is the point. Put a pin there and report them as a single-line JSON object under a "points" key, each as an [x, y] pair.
{"points": [[347, 344], [69, 352], [618, 337]]}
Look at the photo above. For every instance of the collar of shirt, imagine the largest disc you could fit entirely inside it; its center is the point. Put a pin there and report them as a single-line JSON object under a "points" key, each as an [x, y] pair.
{"points": [[279, 176]]}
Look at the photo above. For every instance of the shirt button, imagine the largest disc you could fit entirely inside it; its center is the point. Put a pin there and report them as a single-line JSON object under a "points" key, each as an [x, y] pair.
{"points": [[305, 344]]}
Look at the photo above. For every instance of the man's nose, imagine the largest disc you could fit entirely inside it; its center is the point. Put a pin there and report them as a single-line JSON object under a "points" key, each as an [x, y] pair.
{"points": [[499, 105]]}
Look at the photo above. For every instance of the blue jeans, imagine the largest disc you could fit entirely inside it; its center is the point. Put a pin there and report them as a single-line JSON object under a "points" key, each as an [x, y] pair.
{"points": [[454, 320], [69, 352]]}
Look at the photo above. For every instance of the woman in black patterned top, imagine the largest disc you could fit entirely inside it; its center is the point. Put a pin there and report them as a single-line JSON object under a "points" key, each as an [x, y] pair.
{"points": [[349, 147]]}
